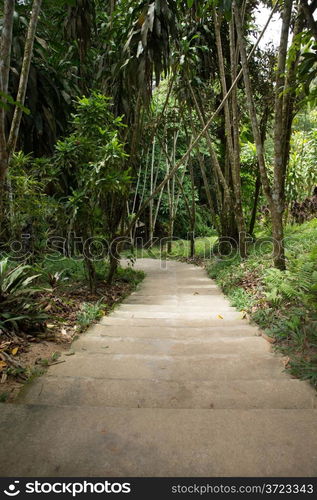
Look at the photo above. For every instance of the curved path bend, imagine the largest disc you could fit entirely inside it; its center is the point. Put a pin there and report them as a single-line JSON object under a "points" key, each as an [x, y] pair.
{"points": [[173, 383]]}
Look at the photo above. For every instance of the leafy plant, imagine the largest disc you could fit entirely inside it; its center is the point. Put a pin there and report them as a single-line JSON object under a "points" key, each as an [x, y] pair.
{"points": [[56, 279], [90, 313], [19, 309], [94, 157], [3, 397], [305, 369]]}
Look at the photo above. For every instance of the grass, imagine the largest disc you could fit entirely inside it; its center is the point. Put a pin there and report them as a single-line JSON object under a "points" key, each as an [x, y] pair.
{"points": [[73, 271], [284, 304], [180, 248]]}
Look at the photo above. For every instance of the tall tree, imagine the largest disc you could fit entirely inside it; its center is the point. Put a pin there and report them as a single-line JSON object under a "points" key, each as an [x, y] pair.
{"points": [[7, 147], [5, 55], [274, 193]]}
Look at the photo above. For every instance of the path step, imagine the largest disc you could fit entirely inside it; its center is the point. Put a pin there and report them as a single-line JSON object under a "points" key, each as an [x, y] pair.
{"points": [[121, 442], [181, 332], [180, 290], [171, 346], [182, 315], [183, 368], [203, 394], [236, 322]]}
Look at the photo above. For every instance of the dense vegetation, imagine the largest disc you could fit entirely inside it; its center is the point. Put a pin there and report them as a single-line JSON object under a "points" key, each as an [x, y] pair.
{"points": [[162, 127]]}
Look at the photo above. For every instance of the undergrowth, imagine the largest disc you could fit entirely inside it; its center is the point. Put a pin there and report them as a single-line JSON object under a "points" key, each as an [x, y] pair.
{"points": [[283, 304], [180, 248]]}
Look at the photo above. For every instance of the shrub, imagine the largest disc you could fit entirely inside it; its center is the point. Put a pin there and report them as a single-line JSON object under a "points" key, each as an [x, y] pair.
{"points": [[19, 309]]}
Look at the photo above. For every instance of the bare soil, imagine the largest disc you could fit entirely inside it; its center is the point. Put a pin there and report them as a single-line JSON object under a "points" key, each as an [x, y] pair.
{"points": [[24, 356]]}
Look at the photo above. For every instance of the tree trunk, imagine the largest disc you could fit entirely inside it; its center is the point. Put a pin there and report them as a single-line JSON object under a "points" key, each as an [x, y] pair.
{"points": [[251, 104], [273, 196], [91, 274], [5, 56], [255, 203], [280, 127], [151, 191], [226, 203], [311, 23], [5, 45], [208, 192], [193, 212], [257, 188], [28, 51], [281, 133], [235, 166], [113, 265], [172, 202]]}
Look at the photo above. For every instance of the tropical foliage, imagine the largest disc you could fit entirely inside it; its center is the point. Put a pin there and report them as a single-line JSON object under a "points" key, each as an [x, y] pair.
{"points": [[124, 124]]}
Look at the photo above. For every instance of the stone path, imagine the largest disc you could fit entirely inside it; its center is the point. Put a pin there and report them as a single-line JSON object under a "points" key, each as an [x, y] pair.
{"points": [[173, 383]]}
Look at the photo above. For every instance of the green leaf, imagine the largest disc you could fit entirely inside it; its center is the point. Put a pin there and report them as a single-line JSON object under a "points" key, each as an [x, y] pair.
{"points": [[10, 100]]}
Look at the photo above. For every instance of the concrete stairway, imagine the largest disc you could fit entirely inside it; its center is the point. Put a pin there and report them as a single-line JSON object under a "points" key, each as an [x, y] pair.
{"points": [[173, 383]]}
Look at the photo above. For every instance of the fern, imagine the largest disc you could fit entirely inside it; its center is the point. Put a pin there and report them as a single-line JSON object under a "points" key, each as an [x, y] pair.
{"points": [[298, 285]]}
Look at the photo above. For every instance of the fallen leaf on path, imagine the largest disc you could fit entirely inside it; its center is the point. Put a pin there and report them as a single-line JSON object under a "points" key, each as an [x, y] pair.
{"points": [[219, 316], [14, 351], [244, 315], [3, 364]]}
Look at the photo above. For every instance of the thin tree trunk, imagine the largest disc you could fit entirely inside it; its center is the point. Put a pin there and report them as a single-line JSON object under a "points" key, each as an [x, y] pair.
{"points": [[227, 212], [289, 94], [255, 203], [280, 141], [251, 104], [272, 197], [221, 64], [193, 214], [235, 166], [171, 194], [279, 115], [213, 156], [312, 24], [151, 191], [257, 188], [5, 56], [208, 193], [24, 76], [213, 209], [158, 207], [5, 45], [113, 265]]}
